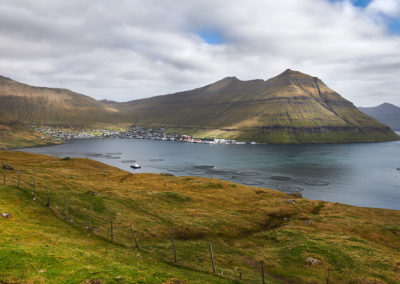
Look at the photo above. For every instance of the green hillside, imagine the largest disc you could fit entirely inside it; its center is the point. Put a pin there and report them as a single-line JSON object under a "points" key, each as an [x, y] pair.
{"points": [[14, 134], [245, 225], [53, 107], [290, 108]]}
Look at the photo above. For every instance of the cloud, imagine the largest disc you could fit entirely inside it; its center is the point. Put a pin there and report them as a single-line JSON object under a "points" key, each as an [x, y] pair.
{"points": [[389, 8], [126, 50]]}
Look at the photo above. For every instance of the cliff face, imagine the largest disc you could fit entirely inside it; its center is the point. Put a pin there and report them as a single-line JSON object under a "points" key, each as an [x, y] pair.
{"points": [[386, 113], [290, 108]]}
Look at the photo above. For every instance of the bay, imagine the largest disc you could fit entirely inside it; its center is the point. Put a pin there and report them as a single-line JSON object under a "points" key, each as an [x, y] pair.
{"points": [[362, 174]]}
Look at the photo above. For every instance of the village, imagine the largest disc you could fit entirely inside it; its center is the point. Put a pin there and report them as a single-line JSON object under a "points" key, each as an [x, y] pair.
{"points": [[135, 132]]}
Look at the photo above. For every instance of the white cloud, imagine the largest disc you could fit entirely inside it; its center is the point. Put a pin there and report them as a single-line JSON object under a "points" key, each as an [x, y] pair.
{"points": [[124, 50], [390, 8]]}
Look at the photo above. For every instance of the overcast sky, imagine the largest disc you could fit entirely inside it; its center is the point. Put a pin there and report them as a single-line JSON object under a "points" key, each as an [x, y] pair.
{"points": [[125, 50]]}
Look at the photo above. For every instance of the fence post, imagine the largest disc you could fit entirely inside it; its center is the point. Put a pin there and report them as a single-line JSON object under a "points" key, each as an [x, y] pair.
{"points": [[4, 174], [111, 230], [34, 188], [48, 197], [212, 258], [19, 178], [173, 247], [66, 207], [327, 279], [240, 275], [90, 219], [134, 236], [262, 271]]}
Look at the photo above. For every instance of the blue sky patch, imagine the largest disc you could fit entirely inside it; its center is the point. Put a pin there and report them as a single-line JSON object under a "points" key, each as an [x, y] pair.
{"points": [[211, 37], [358, 3]]}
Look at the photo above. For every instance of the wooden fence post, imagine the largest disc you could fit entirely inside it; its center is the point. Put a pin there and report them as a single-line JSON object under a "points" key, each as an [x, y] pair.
{"points": [[212, 258], [19, 178], [48, 197], [90, 219], [327, 279], [111, 230], [173, 247], [34, 188], [134, 236], [262, 271], [4, 174], [66, 206]]}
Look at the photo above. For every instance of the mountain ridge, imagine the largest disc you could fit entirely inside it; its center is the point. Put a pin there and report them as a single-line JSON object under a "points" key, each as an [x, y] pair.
{"points": [[291, 107], [52, 106], [386, 113]]}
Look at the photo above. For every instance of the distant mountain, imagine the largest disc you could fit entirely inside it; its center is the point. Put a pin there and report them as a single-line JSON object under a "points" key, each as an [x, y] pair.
{"points": [[386, 113], [53, 107], [290, 108]]}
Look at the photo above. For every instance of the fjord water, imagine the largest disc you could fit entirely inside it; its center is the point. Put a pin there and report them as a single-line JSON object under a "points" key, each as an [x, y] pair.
{"points": [[363, 174]]}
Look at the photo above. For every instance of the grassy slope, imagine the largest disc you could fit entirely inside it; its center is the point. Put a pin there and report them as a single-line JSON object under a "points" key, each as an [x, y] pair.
{"points": [[244, 224], [14, 134], [34, 240]]}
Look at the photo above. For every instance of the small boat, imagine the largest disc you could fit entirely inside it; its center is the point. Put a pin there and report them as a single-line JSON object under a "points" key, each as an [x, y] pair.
{"points": [[135, 166]]}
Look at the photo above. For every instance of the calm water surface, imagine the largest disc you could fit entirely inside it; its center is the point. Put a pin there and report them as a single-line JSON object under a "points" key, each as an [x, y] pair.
{"points": [[362, 174]]}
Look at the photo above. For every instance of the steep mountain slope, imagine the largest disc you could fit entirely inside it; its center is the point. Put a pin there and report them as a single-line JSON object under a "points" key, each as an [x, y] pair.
{"points": [[57, 107], [386, 113], [9, 123], [14, 134], [290, 108]]}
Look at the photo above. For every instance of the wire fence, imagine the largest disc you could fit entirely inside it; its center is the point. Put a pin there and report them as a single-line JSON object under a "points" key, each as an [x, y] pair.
{"points": [[87, 214]]}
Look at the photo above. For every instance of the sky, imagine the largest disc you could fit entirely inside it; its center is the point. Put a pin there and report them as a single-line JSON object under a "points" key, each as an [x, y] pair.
{"points": [[130, 49]]}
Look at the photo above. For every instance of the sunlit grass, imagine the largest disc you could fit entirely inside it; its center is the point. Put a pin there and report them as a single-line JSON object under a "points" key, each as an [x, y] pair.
{"points": [[245, 225]]}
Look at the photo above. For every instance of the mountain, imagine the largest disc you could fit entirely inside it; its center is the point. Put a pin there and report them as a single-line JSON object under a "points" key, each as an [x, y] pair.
{"points": [[386, 113], [14, 134], [52, 107], [290, 108], [9, 123]]}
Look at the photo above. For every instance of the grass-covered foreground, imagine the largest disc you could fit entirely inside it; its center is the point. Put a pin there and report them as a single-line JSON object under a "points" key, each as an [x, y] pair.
{"points": [[245, 225]]}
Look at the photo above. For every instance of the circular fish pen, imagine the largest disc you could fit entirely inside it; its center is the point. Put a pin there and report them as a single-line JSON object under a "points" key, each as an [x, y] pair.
{"points": [[196, 172], [281, 178], [398, 169], [290, 188], [175, 169], [156, 160], [204, 167], [316, 182], [128, 161], [252, 181], [222, 172], [247, 173]]}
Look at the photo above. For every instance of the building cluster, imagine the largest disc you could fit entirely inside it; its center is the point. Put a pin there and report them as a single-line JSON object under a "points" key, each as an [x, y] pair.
{"points": [[135, 132], [190, 139], [150, 133], [60, 134]]}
